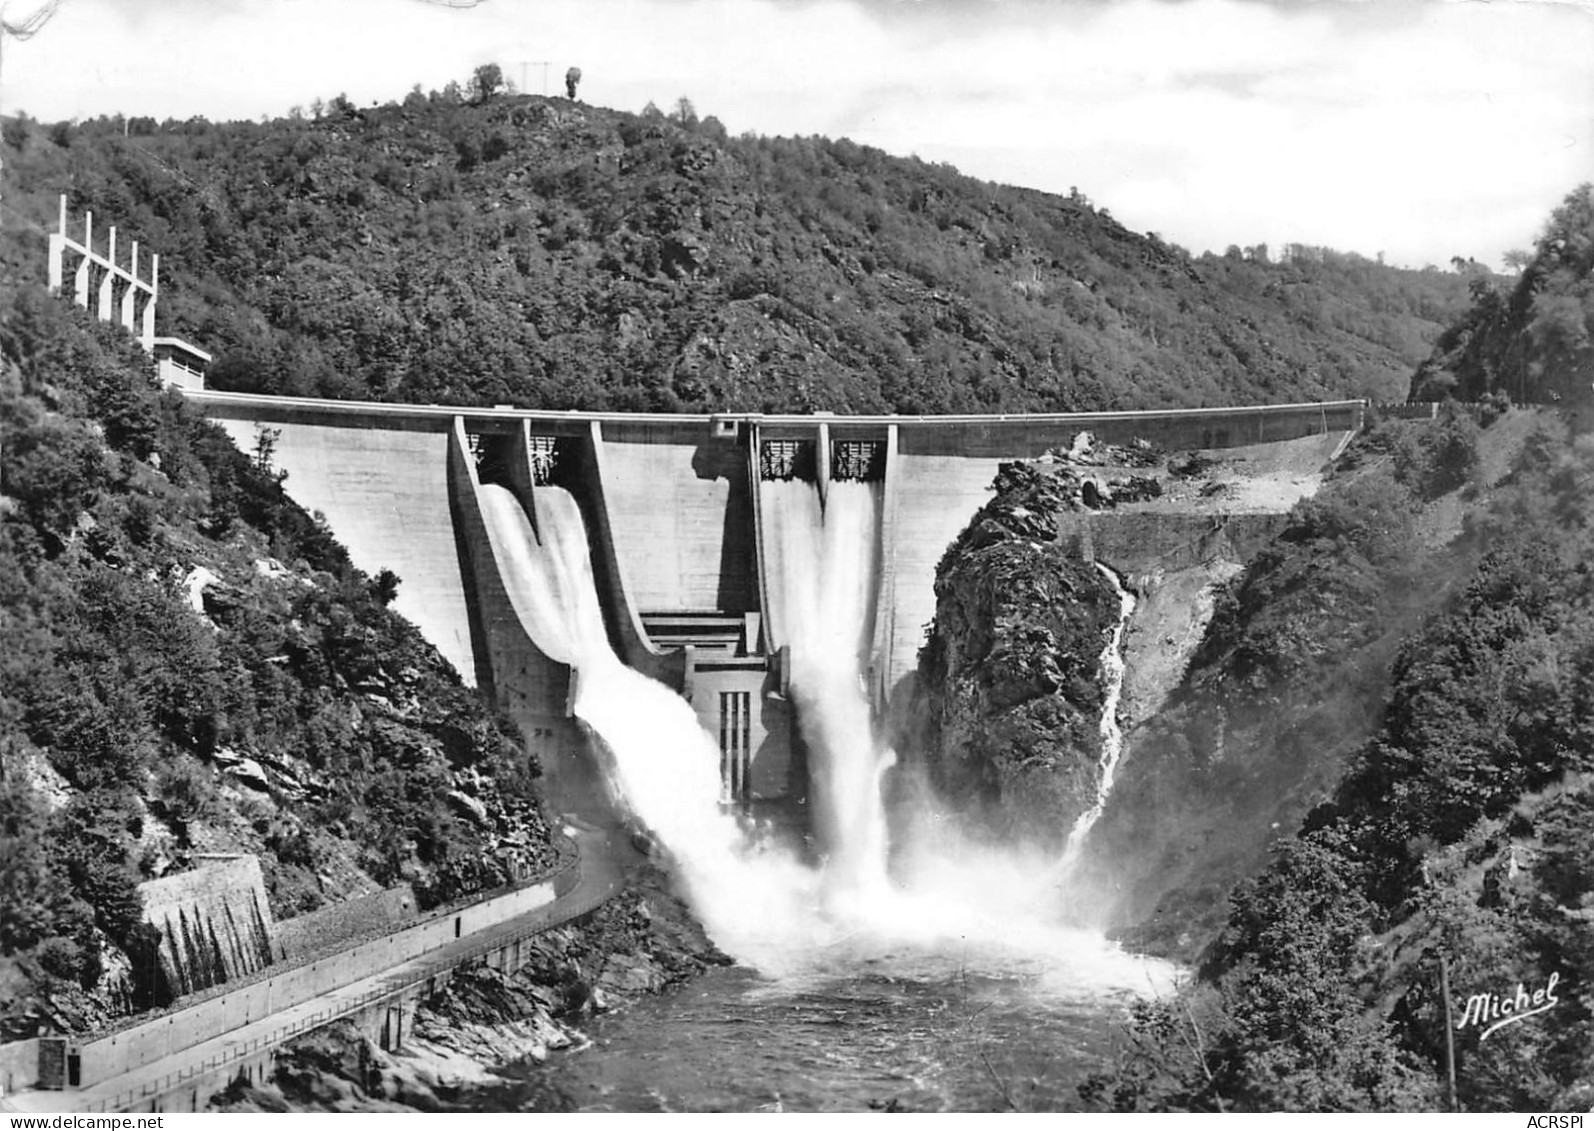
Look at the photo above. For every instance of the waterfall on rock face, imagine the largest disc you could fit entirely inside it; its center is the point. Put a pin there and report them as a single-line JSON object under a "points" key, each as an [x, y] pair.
{"points": [[828, 571], [1112, 736]]}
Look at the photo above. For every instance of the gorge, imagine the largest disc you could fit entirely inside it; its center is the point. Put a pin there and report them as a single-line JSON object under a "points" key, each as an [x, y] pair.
{"points": [[851, 678]]}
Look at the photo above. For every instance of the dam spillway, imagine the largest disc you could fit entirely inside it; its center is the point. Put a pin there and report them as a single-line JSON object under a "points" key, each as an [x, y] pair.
{"points": [[683, 558]]}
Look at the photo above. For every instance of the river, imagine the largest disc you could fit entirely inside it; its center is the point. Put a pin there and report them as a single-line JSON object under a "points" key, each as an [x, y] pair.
{"points": [[859, 1026]]}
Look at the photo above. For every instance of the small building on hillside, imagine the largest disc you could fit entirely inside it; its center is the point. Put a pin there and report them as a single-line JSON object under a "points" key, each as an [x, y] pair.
{"points": [[179, 363]]}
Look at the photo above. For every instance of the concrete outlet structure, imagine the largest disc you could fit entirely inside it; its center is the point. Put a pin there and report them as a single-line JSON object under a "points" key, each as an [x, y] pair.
{"points": [[681, 555]]}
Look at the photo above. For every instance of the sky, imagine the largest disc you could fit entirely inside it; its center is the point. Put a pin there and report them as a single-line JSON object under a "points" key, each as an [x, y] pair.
{"points": [[1419, 129]]}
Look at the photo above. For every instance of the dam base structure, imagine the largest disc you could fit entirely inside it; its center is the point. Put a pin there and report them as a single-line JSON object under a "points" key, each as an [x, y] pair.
{"points": [[690, 524]]}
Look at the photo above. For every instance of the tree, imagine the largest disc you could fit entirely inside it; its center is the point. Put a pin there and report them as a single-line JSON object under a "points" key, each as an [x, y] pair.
{"points": [[25, 27], [265, 451], [17, 131], [385, 586], [486, 81]]}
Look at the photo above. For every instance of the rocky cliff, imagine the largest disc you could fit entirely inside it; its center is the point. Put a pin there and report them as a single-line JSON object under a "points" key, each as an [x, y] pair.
{"points": [[1258, 655], [1009, 673], [1012, 698]]}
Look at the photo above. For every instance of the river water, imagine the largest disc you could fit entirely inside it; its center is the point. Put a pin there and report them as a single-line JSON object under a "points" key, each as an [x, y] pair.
{"points": [[909, 1031]]}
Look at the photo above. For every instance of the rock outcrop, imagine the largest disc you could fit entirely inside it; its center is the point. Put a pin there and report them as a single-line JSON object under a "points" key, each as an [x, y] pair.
{"points": [[1010, 671]]}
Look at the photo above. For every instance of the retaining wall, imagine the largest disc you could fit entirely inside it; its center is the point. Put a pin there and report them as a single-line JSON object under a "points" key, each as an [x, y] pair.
{"points": [[215, 923], [19, 1065], [328, 927], [144, 1044], [1137, 543]]}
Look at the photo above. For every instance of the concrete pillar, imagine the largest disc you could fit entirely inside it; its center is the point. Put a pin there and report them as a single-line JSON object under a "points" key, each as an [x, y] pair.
{"points": [[822, 463], [881, 677], [57, 259], [130, 295], [108, 283], [755, 444], [58, 252], [81, 278], [147, 329], [587, 479]]}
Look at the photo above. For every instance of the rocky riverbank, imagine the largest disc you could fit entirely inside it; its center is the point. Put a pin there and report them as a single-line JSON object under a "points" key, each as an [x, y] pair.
{"points": [[482, 1021]]}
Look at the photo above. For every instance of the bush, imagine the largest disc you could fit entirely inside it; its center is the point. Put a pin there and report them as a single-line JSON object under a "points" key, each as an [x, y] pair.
{"points": [[60, 958], [186, 791], [1450, 452]]}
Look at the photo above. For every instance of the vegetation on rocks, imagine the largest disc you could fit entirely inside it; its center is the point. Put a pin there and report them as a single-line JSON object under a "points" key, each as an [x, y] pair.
{"points": [[1451, 828], [1379, 757], [1533, 341], [192, 665], [1460, 832]]}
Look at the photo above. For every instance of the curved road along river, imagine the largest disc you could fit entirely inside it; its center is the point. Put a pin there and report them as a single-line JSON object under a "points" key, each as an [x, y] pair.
{"points": [[600, 878]]}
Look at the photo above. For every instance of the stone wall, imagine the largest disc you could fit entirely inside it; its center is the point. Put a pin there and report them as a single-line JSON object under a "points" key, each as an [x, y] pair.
{"points": [[1138, 543], [215, 923], [330, 926]]}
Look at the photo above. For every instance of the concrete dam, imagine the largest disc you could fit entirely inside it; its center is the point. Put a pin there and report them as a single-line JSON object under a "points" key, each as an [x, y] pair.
{"points": [[695, 526]]}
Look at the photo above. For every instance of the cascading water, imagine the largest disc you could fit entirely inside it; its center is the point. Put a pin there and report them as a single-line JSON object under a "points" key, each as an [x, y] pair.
{"points": [[664, 767], [949, 900], [935, 984], [828, 573], [1112, 736]]}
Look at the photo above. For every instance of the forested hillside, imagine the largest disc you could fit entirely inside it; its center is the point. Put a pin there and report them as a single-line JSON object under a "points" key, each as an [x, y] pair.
{"points": [[1441, 578], [191, 665], [1533, 341], [1461, 831], [552, 254]]}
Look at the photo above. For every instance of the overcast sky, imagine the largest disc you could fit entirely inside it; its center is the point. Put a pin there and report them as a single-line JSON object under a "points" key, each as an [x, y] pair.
{"points": [[1420, 129]]}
